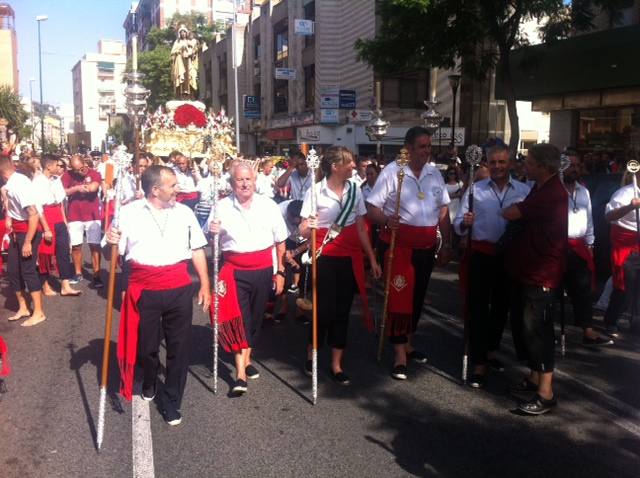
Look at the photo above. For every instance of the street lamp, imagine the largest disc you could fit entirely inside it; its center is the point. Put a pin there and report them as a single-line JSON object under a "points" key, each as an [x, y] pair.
{"points": [[33, 126], [40, 19], [454, 82], [377, 128]]}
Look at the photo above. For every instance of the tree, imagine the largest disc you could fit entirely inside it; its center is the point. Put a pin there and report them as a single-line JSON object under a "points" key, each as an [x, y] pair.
{"points": [[421, 34], [155, 62], [11, 109]]}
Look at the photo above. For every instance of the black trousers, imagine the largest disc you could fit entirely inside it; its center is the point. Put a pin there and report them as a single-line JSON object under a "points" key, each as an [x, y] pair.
{"points": [[336, 287], [532, 326], [168, 314], [23, 271], [254, 289], [422, 261], [577, 281], [63, 256], [488, 304]]}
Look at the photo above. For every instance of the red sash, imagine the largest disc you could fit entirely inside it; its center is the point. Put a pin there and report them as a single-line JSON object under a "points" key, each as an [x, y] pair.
{"points": [[184, 197], [400, 306], [347, 244], [53, 215], [23, 226], [142, 278], [231, 333], [623, 243], [583, 252], [5, 369]]}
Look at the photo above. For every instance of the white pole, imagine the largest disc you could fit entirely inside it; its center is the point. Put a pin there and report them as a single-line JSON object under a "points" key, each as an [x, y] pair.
{"points": [[235, 81]]}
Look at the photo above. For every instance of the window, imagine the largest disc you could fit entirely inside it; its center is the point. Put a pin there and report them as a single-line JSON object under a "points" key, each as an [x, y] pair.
{"points": [[222, 68], [309, 87], [310, 14], [280, 96], [106, 70], [281, 43], [404, 92], [257, 51]]}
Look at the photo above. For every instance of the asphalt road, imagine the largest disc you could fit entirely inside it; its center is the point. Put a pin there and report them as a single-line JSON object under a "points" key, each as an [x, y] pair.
{"points": [[429, 425]]}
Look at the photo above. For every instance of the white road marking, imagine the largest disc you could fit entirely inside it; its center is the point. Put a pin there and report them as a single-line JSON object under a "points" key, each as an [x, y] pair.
{"points": [[141, 439]]}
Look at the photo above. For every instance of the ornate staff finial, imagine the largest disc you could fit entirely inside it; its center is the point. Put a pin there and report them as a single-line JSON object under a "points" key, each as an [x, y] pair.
{"points": [[403, 158], [313, 160], [473, 155], [633, 166]]}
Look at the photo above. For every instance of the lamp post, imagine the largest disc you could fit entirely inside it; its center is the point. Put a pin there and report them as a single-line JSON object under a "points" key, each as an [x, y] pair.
{"points": [[40, 19], [33, 126], [377, 128], [454, 82]]}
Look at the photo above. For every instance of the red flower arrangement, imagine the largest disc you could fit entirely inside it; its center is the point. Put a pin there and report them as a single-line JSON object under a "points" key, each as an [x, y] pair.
{"points": [[189, 114]]}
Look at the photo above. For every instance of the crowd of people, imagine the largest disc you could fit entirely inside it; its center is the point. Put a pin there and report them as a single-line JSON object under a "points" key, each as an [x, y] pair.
{"points": [[523, 232]]}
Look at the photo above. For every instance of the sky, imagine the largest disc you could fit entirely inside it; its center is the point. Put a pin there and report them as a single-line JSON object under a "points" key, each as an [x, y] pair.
{"points": [[73, 29]]}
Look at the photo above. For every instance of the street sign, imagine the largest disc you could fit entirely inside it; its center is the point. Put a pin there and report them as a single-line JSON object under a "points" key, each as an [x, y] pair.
{"points": [[329, 116], [251, 106], [329, 97], [360, 116], [285, 74], [347, 99], [303, 27]]}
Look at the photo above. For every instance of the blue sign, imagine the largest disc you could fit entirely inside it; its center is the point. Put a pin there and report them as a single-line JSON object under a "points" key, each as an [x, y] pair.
{"points": [[347, 99], [252, 107]]}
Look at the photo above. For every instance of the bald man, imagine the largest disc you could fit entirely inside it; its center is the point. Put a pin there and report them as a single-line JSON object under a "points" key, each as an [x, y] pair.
{"points": [[81, 185]]}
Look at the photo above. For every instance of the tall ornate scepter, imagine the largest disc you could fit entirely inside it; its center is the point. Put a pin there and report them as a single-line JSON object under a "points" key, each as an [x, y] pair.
{"points": [[565, 162], [402, 161], [473, 156], [216, 170], [312, 163], [122, 160]]}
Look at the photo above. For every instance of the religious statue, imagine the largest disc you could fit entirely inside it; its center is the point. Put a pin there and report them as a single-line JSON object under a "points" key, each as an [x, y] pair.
{"points": [[184, 64]]}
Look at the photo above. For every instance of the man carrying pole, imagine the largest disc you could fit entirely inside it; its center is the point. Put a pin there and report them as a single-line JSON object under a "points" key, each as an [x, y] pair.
{"points": [[422, 210], [157, 237]]}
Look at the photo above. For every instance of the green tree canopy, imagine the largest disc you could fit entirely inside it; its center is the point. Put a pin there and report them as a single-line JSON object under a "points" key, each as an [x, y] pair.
{"points": [[421, 34], [11, 109]]}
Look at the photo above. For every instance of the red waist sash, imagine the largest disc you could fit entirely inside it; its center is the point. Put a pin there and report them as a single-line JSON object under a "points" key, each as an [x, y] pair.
{"points": [[53, 215], [5, 368], [623, 243], [400, 306], [142, 278], [580, 248], [484, 247], [347, 244], [23, 226], [183, 197], [231, 333]]}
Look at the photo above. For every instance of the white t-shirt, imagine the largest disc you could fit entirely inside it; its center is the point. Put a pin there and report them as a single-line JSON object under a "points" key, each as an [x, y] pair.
{"points": [[421, 198], [186, 181], [623, 197], [48, 190], [265, 184], [20, 195], [580, 216], [329, 204]]}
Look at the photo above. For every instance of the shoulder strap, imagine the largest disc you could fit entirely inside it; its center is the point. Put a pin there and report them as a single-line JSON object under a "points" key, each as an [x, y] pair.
{"points": [[341, 220]]}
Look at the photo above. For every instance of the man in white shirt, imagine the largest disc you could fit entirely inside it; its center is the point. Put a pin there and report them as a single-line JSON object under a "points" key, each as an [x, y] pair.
{"points": [[487, 285], [158, 237], [423, 209], [360, 172], [580, 272], [22, 224], [250, 227], [265, 180], [297, 177], [50, 198], [188, 177], [622, 213]]}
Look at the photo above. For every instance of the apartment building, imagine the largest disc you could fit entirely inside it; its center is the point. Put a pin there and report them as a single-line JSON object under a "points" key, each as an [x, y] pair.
{"points": [[8, 48], [98, 91]]}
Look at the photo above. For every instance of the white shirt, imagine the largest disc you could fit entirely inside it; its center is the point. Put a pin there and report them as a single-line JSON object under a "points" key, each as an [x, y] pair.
{"points": [[48, 190], [366, 191], [20, 195], [355, 177], [299, 185], [291, 228], [580, 216], [623, 197], [329, 204], [158, 237], [413, 210], [265, 184], [248, 230], [488, 224], [186, 182]]}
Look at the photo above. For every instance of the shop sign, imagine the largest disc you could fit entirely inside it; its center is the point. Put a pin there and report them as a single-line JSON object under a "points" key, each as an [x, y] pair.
{"points": [[285, 73], [303, 27], [347, 99], [330, 116]]}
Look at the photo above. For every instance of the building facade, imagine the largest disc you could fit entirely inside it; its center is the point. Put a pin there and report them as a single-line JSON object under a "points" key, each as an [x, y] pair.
{"points": [[98, 91], [8, 48]]}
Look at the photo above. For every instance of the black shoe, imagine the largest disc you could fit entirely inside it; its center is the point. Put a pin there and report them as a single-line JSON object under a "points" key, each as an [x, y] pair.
{"points": [[523, 386], [399, 372], [496, 364], [293, 290], [279, 318], [597, 342], [476, 380], [537, 405], [148, 393], [252, 372], [417, 356], [340, 378], [96, 283], [303, 319], [308, 368], [612, 332], [171, 415], [240, 387]]}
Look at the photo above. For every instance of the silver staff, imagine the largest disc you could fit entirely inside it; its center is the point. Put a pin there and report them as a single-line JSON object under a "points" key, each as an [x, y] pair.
{"points": [[312, 163], [565, 163], [216, 170]]}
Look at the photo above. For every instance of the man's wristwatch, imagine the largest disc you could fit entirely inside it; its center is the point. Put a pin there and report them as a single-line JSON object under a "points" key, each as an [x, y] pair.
{"points": [[281, 274]]}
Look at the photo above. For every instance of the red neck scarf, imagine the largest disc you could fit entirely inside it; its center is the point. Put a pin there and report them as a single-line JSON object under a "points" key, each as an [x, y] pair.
{"points": [[623, 243], [142, 278], [400, 306], [5, 369], [347, 244], [231, 333]]}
